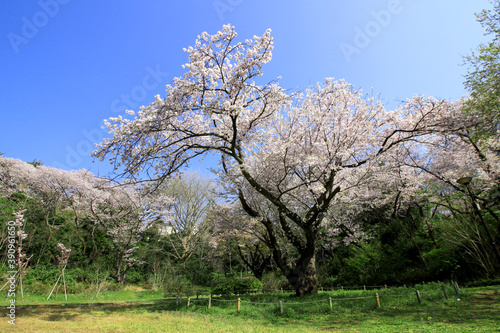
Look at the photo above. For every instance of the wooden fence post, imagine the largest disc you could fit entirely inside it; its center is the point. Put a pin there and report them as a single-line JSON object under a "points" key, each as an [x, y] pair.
{"points": [[177, 300], [239, 301], [64, 283], [444, 292], [418, 297], [378, 300], [189, 300], [330, 301], [281, 306], [209, 301]]}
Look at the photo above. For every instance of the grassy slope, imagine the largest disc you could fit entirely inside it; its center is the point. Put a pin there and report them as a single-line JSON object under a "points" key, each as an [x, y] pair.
{"points": [[477, 311]]}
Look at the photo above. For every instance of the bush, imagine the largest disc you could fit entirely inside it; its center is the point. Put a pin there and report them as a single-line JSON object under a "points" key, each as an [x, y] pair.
{"points": [[274, 281], [38, 288], [483, 283], [442, 263], [135, 277], [77, 288], [178, 285], [238, 285], [47, 275], [77, 275]]}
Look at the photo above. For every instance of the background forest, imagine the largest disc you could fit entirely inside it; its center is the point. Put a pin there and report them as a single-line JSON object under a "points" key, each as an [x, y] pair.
{"points": [[193, 241]]}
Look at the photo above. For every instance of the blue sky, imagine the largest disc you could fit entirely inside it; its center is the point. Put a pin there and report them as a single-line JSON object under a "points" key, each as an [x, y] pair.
{"points": [[68, 64]]}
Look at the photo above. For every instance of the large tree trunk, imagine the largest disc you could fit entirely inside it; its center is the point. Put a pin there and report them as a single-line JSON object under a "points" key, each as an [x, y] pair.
{"points": [[302, 273], [303, 276]]}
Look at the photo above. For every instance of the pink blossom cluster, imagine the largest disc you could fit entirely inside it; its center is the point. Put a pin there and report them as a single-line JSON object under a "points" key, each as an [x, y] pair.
{"points": [[62, 259], [21, 235]]}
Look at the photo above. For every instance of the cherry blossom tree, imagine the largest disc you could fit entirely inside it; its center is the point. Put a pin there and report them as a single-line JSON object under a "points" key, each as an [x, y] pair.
{"points": [[296, 153], [123, 210], [49, 187]]}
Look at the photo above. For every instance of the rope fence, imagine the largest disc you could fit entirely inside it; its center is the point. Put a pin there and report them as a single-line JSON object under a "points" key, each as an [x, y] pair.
{"points": [[376, 297], [320, 289]]}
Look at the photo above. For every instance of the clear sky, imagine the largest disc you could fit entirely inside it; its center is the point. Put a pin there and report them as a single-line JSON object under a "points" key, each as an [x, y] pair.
{"points": [[65, 65]]}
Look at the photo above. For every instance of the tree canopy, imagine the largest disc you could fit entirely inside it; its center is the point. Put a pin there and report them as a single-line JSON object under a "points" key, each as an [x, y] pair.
{"points": [[289, 158]]}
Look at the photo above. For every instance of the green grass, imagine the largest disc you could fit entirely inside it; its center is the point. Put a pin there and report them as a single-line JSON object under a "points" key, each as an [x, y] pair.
{"points": [[136, 310]]}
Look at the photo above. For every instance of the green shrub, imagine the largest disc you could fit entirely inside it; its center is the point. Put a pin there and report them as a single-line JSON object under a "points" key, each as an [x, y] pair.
{"points": [[216, 278], [483, 283], [44, 274], [274, 281], [115, 286], [77, 288], [177, 286], [135, 277], [238, 285], [38, 288], [76, 275], [442, 262]]}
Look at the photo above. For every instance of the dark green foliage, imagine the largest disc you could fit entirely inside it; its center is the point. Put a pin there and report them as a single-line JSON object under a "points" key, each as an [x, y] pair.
{"points": [[236, 285], [403, 249], [136, 275], [483, 283], [197, 271], [178, 285], [43, 274], [274, 280]]}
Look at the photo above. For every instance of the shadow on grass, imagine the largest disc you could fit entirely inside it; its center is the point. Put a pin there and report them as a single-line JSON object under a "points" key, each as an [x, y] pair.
{"points": [[478, 307], [60, 317], [58, 312]]}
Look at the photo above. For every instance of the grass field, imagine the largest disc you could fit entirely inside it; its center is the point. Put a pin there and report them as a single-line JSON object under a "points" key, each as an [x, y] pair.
{"points": [[478, 310]]}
